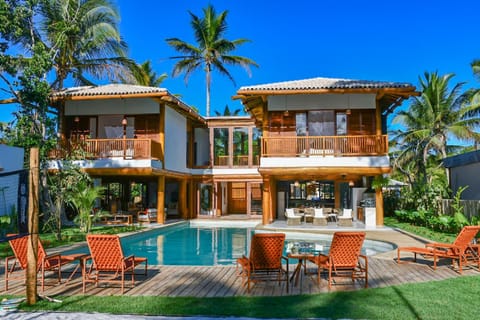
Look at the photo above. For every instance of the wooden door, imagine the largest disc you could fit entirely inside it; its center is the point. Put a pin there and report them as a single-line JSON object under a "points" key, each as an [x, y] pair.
{"points": [[237, 198]]}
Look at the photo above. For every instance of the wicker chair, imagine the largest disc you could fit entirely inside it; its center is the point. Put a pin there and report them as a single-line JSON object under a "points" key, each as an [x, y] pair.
{"points": [[343, 258], [292, 218], [108, 261], [265, 260], [461, 250], [345, 220], [318, 218], [16, 266]]}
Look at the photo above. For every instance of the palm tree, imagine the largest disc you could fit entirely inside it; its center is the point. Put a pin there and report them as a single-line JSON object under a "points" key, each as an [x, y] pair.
{"points": [[227, 112], [437, 114], [148, 77], [84, 37], [211, 49]]}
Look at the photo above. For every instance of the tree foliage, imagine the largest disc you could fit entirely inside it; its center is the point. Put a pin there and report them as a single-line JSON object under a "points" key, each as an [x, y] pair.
{"points": [[211, 50], [441, 113]]}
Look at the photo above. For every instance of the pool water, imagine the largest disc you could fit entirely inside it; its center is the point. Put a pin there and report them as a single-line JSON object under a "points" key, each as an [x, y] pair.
{"points": [[206, 246]]}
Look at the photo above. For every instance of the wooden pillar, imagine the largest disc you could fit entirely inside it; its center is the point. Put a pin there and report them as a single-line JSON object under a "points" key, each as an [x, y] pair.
{"points": [[266, 203], [379, 206], [32, 247], [161, 199], [161, 134], [273, 197], [182, 199], [378, 118], [193, 196]]}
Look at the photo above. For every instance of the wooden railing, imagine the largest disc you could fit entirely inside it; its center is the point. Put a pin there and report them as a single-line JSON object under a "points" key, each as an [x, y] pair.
{"points": [[324, 146], [110, 148]]}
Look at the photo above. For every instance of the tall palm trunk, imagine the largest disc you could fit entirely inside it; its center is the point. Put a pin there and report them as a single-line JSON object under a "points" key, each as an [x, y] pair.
{"points": [[208, 80]]}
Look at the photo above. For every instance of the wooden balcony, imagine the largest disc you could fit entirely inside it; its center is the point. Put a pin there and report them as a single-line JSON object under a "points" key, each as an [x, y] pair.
{"points": [[321, 146], [109, 148]]}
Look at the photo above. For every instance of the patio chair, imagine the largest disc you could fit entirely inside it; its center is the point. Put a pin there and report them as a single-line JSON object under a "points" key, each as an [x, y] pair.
{"points": [[292, 218], [265, 260], [461, 250], [318, 218], [345, 220], [108, 261], [16, 266], [343, 260]]}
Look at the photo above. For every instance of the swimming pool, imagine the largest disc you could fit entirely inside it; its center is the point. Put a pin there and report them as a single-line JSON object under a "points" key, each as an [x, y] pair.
{"points": [[191, 245]]}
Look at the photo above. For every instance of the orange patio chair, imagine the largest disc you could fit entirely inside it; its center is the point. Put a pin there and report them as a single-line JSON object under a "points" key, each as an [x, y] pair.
{"points": [[462, 249], [16, 266], [108, 261], [265, 260], [343, 260]]}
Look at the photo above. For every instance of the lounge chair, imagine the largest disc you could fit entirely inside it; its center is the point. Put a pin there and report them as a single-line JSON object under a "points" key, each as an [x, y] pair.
{"points": [[292, 218], [462, 249], [108, 261], [318, 218], [16, 266], [345, 220], [264, 262], [343, 258]]}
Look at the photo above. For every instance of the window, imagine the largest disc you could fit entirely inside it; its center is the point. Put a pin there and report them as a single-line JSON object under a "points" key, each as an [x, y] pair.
{"points": [[220, 147], [240, 146]]}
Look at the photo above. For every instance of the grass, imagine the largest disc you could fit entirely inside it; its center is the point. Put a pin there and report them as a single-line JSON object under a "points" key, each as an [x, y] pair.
{"points": [[447, 299], [420, 230], [69, 236]]}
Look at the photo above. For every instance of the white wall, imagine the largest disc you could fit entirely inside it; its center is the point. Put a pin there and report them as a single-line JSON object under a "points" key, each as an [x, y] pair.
{"points": [[112, 106], [175, 141], [203, 146], [321, 101], [11, 159]]}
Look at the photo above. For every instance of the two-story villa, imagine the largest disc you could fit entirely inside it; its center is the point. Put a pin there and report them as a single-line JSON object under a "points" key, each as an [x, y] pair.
{"points": [[322, 137], [305, 143]]}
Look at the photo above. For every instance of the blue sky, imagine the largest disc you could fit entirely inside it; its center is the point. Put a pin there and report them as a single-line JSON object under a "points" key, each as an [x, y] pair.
{"points": [[290, 40]]}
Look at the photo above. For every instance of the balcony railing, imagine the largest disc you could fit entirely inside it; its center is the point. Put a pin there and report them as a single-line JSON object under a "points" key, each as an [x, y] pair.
{"points": [[286, 146], [109, 148]]}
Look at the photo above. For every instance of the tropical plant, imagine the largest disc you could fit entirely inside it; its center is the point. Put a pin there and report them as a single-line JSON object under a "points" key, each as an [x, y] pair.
{"points": [[85, 39], [147, 76], [83, 200], [227, 112], [212, 50], [438, 114]]}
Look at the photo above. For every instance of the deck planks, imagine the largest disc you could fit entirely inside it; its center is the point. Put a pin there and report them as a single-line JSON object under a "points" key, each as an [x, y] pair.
{"points": [[222, 281]]}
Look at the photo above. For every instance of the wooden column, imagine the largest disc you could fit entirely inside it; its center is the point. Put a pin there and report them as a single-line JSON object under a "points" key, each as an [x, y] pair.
{"points": [[161, 133], [378, 118], [379, 206], [193, 196], [182, 199], [266, 203], [161, 199], [273, 197], [32, 247]]}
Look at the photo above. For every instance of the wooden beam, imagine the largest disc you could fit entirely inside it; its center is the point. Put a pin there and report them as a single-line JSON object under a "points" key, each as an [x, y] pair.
{"points": [[161, 199], [308, 172]]}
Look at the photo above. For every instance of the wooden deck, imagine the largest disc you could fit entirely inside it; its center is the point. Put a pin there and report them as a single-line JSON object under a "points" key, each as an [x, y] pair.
{"points": [[222, 281]]}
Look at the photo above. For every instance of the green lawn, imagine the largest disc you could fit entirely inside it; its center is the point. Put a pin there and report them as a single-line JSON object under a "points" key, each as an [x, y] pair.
{"points": [[448, 299]]}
